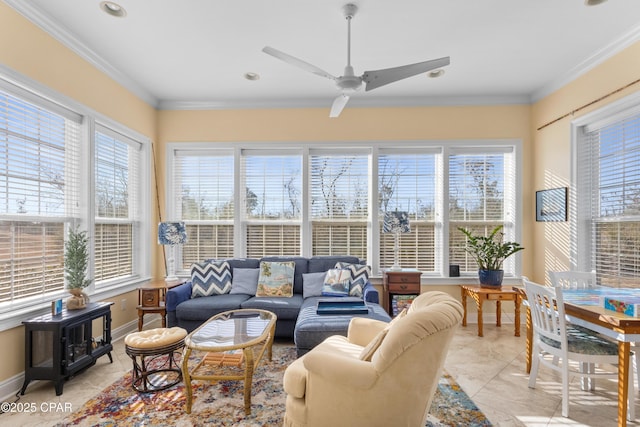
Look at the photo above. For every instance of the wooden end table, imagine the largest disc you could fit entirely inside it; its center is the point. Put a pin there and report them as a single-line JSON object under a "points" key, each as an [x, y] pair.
{"points": [[480, 295], [151, 299]]}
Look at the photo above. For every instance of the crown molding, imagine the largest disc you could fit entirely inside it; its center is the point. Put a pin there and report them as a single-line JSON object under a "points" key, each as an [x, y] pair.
{"points": [[370, 102], [71, 41], [597, 58]]}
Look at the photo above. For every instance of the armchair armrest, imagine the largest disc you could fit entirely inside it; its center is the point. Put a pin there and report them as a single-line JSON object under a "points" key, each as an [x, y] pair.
{"points": [[370, 293], [362, 330], [177, 295], [340, 369]]}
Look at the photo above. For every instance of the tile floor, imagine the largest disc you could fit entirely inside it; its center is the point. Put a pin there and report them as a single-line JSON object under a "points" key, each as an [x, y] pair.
{"points": [[490, 369]]}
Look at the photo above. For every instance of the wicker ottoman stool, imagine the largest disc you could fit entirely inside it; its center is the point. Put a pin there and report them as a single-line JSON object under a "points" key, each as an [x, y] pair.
{"points": [[145, 347]]}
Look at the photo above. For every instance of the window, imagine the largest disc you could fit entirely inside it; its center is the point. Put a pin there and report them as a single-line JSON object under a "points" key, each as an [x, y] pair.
{"points": [[339, 203], [311, 199], [116, 195], [407, 182], [272, 203], [608, 170], [204, 186], [480, 198], [39, 178], [59, 168]]}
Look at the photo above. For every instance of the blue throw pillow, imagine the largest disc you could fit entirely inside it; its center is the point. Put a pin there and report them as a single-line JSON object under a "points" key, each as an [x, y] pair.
{"points": [[336, 283], [359, 277], [210, 278]]}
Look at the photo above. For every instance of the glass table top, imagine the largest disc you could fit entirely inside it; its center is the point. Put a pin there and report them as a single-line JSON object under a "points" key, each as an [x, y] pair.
{"points": [[234, 329]]}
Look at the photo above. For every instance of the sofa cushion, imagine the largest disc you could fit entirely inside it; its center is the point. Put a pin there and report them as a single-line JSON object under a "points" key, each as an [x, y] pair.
{"points": [[301, 268], [245, 281], [359, 277], [312, 284], [210, 278], [203, 308], [275, 279], [337, 282], [284, 308]]}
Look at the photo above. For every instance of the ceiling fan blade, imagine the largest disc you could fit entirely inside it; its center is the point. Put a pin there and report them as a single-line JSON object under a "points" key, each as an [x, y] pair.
{"points": [[297, 62], [375, 79], [338, 105]]}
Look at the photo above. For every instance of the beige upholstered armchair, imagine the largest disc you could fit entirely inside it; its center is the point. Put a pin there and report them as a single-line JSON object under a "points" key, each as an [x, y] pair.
{"points": [[381, 374]]}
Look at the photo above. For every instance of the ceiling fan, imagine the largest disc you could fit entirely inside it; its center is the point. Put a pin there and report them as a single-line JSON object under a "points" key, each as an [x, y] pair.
{"points": [[349, 82]]}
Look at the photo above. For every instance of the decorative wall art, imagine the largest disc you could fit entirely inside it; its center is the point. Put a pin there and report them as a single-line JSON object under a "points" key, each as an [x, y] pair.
{"points": [[551, 205]]}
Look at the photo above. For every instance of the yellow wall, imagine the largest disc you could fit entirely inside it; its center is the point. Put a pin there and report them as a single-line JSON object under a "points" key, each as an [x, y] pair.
{"points": [[355, 124], [33, 53], [552, 147]]}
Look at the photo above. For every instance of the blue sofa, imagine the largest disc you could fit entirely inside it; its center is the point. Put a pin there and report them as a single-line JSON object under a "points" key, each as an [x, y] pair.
{"points": [[189, 313]]}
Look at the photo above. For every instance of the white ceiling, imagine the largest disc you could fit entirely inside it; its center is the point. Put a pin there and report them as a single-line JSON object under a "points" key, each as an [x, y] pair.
{"points": [[194, 53]]}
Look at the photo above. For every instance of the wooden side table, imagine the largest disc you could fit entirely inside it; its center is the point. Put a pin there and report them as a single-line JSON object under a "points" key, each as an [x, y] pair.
{"points": [[480, 295], [151, 299], [400, 282]]}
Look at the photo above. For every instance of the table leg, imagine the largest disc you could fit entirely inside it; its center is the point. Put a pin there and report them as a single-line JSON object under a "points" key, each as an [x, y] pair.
{"points": [[623, 381], [140, 319], [464, 306], [248, 378], [187, 379], [517, 314], [529, 340], [479, 302], [164, 319], [498, 313]]}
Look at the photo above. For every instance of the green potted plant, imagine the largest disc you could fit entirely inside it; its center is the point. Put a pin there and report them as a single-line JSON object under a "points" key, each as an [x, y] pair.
{"points": [[76, 261], [489, 253]]}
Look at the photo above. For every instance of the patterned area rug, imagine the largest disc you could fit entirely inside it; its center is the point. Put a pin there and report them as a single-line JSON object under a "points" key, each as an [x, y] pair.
{"points": [[221, 403]]}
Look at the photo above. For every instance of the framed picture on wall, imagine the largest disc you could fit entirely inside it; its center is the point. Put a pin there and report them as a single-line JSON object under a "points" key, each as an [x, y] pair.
{"points": [[551, 205]]}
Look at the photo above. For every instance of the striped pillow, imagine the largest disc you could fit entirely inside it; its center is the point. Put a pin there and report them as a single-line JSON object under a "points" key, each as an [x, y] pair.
{"points": [[359, 277], [210, 278]]}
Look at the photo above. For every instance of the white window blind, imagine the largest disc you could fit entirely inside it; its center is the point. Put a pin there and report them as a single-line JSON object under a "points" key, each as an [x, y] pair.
{"points": [[407, 182], [272, 202], [339, 203], [481, 197], [204, 183], [117, 163], [39, 177], [611, 158]]}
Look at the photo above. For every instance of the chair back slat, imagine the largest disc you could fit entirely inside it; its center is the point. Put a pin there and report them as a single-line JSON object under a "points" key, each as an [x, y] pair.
{"points": [[573, 279], [547, 311]]}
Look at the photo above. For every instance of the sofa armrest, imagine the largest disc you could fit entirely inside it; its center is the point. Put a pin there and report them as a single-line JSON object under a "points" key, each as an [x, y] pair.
{"points": [[370, 293], [177, 295], [362, 330], [341, 369]]}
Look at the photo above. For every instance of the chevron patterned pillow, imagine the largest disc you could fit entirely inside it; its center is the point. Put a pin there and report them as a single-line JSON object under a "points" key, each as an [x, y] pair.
{"points": [[359, 277], [210, 278]]}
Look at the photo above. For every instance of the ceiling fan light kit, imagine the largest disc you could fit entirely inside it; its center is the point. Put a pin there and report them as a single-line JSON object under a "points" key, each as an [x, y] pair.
{"points": [[349, 83]]}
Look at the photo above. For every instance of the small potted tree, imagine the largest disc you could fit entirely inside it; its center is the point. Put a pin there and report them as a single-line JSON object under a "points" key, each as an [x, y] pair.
{"points": [[76, 261], [489, 252]]}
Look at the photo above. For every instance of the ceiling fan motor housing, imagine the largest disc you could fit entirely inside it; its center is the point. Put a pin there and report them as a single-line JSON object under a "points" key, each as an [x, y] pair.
{"points": [[349, 81]]}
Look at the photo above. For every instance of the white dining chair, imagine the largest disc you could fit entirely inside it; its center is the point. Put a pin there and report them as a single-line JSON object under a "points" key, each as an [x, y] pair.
{"points": [[573, 279], [554, 337], [587, 280]]}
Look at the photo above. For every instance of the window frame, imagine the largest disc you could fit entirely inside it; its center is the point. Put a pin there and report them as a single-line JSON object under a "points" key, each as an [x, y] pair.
{"points": [[34, 92], [582, 253], [442, 150]]}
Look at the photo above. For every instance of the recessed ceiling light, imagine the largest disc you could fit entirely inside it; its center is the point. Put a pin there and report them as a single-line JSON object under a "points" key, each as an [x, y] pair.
{"points": [[593, 2], [252, 76], [436, 73], [113, 9]]}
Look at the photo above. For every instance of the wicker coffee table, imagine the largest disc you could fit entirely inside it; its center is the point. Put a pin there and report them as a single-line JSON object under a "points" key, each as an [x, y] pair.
{"points": [[230, 346]]}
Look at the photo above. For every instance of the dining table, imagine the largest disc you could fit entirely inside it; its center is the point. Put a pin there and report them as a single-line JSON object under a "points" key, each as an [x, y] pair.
{"points": [[585, 307]]}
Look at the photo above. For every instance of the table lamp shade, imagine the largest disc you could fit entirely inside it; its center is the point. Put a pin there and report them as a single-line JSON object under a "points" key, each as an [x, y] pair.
{"points": [[396, 222], [172, 233]]}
